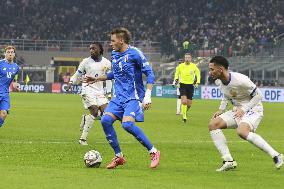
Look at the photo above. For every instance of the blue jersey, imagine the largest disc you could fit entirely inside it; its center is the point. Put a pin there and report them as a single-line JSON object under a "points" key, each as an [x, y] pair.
{"points": [[7, 73], [127, 70]]}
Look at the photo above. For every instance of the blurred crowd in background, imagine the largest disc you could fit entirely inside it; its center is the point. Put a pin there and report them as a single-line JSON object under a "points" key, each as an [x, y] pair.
{"points": [[208, 24]]}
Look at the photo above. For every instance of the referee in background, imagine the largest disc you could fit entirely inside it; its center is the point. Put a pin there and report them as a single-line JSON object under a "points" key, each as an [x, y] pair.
{"points": [[188, 75]]}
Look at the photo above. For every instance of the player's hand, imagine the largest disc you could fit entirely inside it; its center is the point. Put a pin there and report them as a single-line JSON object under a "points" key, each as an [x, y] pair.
{"points": [[216, 114], [239, 113], [176, 82], [16, 87], [90, 80], [68, 86], [147, 102]]}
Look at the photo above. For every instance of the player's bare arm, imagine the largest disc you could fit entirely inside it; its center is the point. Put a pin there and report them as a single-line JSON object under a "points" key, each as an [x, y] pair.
{"points": [[90, 80]]}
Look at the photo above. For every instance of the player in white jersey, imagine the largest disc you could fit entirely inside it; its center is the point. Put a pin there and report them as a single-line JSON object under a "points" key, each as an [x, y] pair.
{"points": [[93, 95], [177, 85], [246, 114]]}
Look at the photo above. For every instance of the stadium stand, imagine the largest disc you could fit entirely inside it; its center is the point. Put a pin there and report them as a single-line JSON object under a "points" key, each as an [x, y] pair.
{"points": [[205, 24], [227, 27]]}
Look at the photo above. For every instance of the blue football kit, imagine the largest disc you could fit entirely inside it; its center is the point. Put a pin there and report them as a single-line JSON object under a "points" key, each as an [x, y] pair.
{"points": [[7, 73], [129, 90], [128, 94]]}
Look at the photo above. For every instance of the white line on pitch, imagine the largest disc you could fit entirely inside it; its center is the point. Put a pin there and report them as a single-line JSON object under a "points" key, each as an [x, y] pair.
{"points": [[123, 142]]}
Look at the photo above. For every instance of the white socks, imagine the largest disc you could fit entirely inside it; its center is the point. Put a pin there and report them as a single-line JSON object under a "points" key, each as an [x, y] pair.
{"points": [[89, 122], [221, 144], [259, 142], [153, 150], [178, 105]]}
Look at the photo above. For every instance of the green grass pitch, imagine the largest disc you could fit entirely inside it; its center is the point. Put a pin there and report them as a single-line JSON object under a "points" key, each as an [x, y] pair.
{"points": [[39, 149]]}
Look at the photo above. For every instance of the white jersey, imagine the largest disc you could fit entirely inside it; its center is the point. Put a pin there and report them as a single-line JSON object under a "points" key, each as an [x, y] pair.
{"points": [[89, 67], [239, 91]]}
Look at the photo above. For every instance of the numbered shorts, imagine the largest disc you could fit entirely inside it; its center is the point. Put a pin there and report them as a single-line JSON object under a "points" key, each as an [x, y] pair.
{"points": [[252, 118], [131, 108], [93, 100], [5, 103]]}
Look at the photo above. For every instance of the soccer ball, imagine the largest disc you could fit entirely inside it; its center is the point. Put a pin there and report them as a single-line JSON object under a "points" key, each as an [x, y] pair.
{"points": [[93, 158]]}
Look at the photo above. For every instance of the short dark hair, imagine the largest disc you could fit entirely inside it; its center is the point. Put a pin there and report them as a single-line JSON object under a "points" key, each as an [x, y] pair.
{"points": [[99, 45], [123, 33], [221, 61]]}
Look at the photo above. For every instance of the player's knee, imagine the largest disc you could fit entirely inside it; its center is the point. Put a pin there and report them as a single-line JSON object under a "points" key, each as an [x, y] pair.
{"points": [[3, 114], [94, 111], [184, 102], [128, 125], [243, 133], [107, 120], [213, 125]]}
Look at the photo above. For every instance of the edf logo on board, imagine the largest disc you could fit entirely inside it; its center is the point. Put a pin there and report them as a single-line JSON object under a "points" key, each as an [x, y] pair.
{"points": [[273, 95]]}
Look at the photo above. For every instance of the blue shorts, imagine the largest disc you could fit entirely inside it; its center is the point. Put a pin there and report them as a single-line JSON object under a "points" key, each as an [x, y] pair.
{"points": [[131, 108], [5, 102]]}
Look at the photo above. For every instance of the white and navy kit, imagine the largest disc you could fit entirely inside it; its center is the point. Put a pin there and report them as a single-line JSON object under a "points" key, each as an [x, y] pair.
{"points": [[92, 94], [239, 91]]}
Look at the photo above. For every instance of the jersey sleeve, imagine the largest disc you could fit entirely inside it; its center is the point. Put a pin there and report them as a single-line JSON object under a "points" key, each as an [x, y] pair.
{"points": [[252, 91], [78, 74], [81, 69], [197, 74], [176, 73], [145, 67], [248, 85]]}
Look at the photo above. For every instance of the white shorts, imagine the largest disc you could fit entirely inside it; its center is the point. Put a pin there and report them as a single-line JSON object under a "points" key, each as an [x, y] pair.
{"points": [[93, 100], [252, 118]]}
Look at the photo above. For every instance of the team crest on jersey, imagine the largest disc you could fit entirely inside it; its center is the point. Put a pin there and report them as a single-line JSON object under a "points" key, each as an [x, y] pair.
{"points": [[233, 92]]}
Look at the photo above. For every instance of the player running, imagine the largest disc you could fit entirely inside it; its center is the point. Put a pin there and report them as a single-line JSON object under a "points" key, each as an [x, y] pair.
{"points": [[128, 64], [93, 96]]}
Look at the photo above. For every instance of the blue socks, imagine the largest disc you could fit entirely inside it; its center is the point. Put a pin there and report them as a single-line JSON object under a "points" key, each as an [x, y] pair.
{"points": [[110, 133], [107, 123], [131, 128], [1, 122]]}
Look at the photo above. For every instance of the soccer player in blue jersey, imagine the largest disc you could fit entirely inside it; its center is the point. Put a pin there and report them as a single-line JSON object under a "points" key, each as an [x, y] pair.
{"points": [[8, 70], [130, 98]]}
